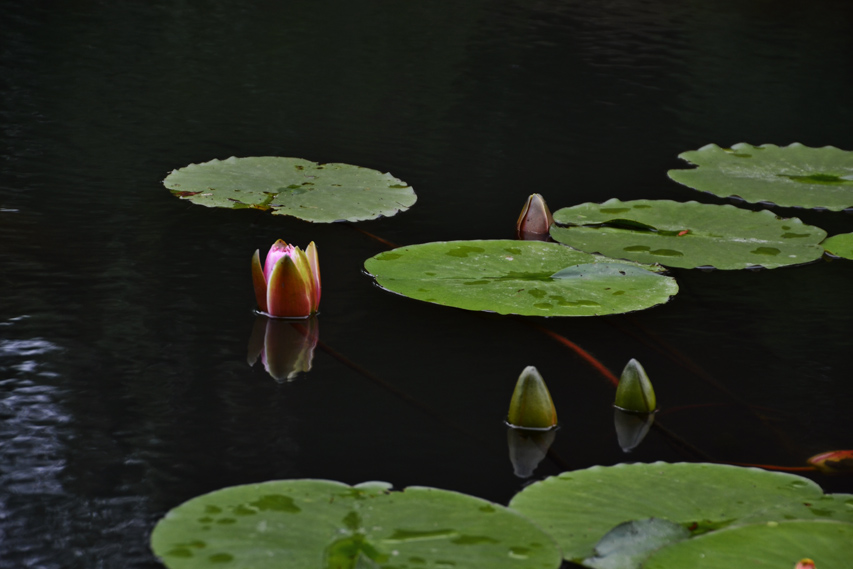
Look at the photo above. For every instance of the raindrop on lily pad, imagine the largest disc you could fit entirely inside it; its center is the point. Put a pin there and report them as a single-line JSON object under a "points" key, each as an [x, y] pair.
{"points": [[790, 176], [292, 186], [688, 235], [321, 524], [840, 245], [773, 544], [578, 508], [530, 278]]}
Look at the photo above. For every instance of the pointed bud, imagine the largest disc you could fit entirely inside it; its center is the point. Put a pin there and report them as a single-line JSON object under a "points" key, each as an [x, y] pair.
{"points": [[635, 392], [535, 219], [833, 462], [805, 564], [531, 406], [259, 281]]}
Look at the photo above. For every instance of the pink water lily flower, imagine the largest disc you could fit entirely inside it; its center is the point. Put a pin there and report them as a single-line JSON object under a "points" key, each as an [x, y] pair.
{"points": [[289, 284]]}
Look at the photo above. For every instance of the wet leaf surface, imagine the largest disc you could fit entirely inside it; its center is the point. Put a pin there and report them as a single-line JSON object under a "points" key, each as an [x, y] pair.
{"points": [[292, 186], [773, 544], [795, 175], [687, 235], [840, 245], [578, 508], [520, 277], [311, 524]]}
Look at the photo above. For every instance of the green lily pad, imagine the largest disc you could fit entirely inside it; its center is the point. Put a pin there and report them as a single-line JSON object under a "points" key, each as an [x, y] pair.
{"points": [[292, 186], [578, 508], [688, 235], [311, 524], [791, 176], [770, 545], [840, 245], [531, 278]]}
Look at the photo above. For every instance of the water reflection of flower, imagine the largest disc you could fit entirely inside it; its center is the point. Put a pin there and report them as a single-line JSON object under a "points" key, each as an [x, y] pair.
{"points": [[286, 347]]}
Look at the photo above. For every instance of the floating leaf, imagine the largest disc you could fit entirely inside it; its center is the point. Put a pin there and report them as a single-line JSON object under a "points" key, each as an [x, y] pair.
{"points": [[628, 544], [773, 544], [578, 508], [688, 235], [840, 245], [310, 524], [794, 175], [519, 277], [293, 186]]}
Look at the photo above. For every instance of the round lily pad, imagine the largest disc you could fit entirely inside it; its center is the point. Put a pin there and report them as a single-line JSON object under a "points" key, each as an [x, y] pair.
{"points": [[795, 175], [773, 544], [578, 508], [311, 524], [840, 245], [292, 186], [531, 278], [688, 235]]}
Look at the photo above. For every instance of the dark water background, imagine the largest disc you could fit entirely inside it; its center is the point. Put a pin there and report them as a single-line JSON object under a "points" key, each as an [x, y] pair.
{"points": [[125, 313]]}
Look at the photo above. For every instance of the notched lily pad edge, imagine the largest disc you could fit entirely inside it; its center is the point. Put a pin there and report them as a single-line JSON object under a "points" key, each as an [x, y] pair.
{"points": [[738, 200], [267, 204], [703, 268]]}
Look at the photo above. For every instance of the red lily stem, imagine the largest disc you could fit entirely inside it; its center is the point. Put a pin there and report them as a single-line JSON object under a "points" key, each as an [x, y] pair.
{"points": [[586, 356], [774, 467], [374, 237]]}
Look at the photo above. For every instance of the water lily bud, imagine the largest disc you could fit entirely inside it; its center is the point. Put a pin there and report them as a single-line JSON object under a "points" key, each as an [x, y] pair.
{"points": [[288, 285], [805, 564], [635, 392], [531, 406], [535, 219], [833, 462]]}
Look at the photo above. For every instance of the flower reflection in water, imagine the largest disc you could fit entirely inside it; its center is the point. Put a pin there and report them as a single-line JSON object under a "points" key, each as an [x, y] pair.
{"points": [[286, 347]]}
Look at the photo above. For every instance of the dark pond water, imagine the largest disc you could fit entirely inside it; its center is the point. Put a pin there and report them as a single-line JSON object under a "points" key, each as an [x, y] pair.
{"points": [[125, 314]]}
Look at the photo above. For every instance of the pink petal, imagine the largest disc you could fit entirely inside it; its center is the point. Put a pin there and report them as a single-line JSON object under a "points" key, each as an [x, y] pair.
{"points": [[278, 250], [313, 262], [289, 292]]}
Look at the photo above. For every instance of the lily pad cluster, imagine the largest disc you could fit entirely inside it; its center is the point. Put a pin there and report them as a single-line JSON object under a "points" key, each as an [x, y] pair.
{"points": [[665, 516], [300, 188], [310, 524], [689, 515]]}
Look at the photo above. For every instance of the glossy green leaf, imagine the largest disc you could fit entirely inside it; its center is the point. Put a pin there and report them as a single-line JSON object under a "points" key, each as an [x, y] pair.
{"points": [[293, 186], [320, 524], [579, 507], [519, 277], [629, 543], [768, 545], [794, 175], [840, 245], [687, 235]]}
